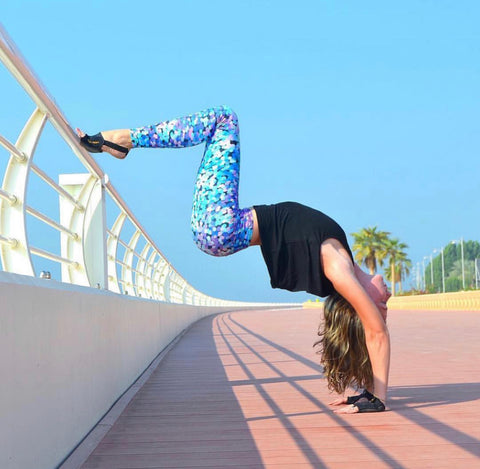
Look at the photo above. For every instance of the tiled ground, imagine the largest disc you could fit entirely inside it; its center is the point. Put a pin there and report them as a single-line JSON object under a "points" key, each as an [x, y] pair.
{"points": [[245, 390]]}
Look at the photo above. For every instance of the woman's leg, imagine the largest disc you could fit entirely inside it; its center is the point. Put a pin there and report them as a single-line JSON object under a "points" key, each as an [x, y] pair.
{"points": [[219, 226]]}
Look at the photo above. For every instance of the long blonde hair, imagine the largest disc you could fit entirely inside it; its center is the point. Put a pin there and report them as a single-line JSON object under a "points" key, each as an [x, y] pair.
{"points": [[342, 346]]}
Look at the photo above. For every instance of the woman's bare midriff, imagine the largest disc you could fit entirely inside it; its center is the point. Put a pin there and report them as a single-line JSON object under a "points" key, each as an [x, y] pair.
{"points": [[255, 241]]}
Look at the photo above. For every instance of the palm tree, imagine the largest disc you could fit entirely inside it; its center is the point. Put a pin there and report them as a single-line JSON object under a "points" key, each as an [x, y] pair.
{"points": [[368, 246], [402, 270], [395, 251], [404, 265]]}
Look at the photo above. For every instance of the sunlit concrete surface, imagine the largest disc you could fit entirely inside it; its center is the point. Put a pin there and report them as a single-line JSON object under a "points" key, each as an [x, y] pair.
{"points": [[245, 389]]}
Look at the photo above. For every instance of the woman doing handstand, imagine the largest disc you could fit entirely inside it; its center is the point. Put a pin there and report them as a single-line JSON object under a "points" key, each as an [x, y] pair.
{"points": [[304, 249]]}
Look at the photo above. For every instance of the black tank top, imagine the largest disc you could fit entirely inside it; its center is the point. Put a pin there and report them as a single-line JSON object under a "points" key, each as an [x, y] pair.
{"points": [[291, 236]]}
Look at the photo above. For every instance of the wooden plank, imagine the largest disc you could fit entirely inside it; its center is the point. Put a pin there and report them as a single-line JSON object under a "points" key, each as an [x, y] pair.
{"points": [[245, 389]]}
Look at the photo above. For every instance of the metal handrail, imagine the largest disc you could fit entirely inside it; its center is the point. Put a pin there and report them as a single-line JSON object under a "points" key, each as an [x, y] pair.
{"points": [[47, 220], [59, 189], [83, 220], [8, 197], [53, 257], [11, 242], [12, 149]]}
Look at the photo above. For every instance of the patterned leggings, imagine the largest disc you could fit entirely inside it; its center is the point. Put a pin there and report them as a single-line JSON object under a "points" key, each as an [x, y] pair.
{"points": [[219, 226]]}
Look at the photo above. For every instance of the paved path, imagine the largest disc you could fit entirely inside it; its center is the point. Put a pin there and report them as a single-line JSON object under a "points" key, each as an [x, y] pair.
{"points": [[245, 390]]}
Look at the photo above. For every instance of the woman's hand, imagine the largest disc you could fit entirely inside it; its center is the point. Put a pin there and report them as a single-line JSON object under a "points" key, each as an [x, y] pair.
{"points": [[350, 399], [339, 401], [365, 402], [347, 409]]}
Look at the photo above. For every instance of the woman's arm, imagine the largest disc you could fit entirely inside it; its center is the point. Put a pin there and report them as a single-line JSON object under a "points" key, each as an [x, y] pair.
{"points": [[339, 270]]}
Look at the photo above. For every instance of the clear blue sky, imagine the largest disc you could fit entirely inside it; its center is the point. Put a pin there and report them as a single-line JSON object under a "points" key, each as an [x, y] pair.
{"points": [[368, 111]]}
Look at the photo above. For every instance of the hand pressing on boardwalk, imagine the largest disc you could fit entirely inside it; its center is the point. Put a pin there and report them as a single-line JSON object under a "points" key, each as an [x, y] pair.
{"points": [[360, 403]]}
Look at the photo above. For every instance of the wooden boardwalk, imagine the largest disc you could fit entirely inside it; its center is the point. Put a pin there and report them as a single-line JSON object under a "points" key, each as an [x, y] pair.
{"points": [[244, 390]]}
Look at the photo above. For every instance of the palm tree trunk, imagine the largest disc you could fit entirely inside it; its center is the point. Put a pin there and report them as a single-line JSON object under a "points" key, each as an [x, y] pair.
{"points": [[393, 277]]}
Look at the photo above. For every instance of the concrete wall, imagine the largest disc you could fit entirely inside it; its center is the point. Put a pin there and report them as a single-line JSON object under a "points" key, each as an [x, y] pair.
{"points": [[457, 301], [66, 354]]}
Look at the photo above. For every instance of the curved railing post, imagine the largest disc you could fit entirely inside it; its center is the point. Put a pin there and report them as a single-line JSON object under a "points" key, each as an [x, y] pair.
{"points": [[86, 251], [94, 239], [112, 246], [15, 252], [127, 266], [158, 279], [149, 272], [141, 268], [166, 285]]}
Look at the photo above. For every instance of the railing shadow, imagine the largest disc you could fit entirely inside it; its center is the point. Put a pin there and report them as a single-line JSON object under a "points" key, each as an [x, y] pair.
{"points": [[410, 399], [185, 415], [406, 400], [189, 412], [308, 451]]}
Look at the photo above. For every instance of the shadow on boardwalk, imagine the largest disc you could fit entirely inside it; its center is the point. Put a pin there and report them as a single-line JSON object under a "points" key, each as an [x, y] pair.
{"points": [[246, 390]]}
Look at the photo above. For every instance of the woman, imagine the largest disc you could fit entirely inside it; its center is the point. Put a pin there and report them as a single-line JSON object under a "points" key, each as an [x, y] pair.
{"points": [[303, 248]]}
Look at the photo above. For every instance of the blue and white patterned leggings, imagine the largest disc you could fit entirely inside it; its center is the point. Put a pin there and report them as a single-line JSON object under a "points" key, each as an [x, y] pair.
{"points": [[219, 226]]}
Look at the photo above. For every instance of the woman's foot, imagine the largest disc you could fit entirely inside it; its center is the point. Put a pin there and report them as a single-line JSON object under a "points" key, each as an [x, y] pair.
{"points": [[116, 142]]}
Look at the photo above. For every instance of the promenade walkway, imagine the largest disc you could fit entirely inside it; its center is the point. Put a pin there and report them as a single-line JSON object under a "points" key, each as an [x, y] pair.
{"points": [[245, 390]]}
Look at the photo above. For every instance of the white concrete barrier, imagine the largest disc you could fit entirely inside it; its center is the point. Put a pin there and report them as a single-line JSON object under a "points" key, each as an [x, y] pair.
{"points": [[454, 301], [67, 353]]}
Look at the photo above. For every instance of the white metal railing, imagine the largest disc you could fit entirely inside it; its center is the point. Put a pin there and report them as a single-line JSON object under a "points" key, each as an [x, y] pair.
{"points": [[87, 251]]}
